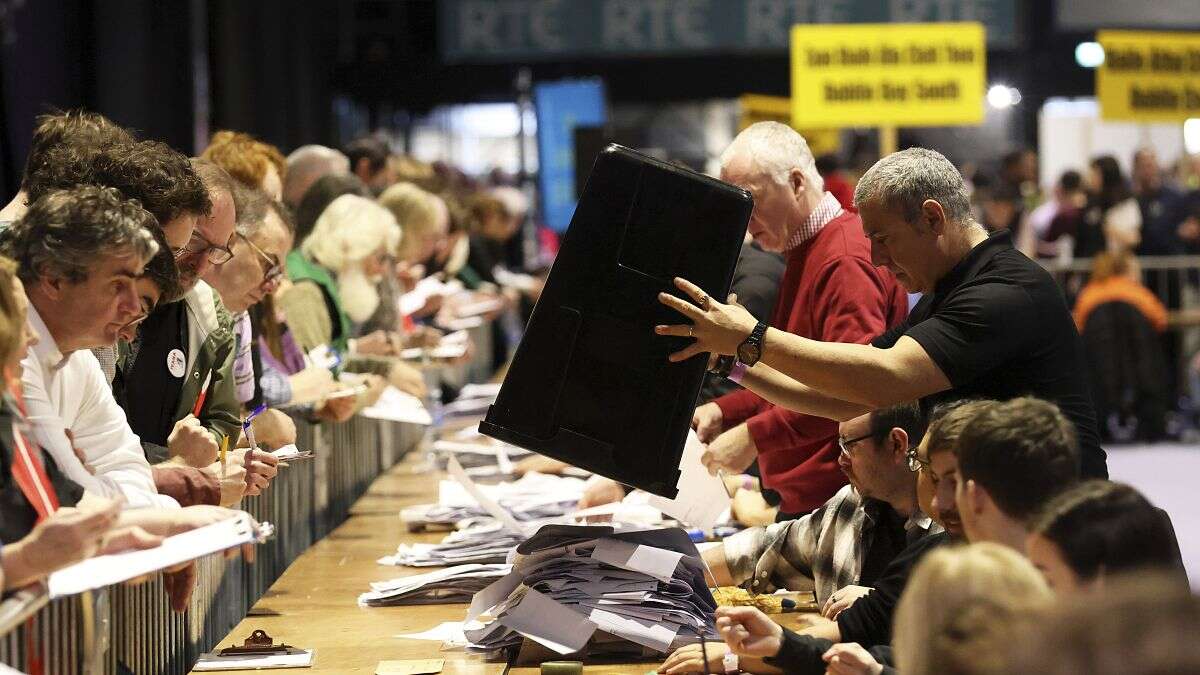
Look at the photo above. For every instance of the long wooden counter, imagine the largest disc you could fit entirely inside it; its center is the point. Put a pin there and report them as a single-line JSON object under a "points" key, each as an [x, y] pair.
{"points": [[314, 604]]}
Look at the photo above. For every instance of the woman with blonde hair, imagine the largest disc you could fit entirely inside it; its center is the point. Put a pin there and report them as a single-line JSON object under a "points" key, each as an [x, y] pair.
{"points": [[335, 275], [962, 607], [423, 220]]}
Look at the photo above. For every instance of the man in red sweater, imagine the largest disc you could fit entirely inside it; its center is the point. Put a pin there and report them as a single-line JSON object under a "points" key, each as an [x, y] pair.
{"points": [[830, 292]]}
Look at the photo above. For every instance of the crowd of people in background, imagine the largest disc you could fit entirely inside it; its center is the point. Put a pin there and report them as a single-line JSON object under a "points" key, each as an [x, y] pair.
{"points": [[157, 310], [160, 311], [1104, 218]]}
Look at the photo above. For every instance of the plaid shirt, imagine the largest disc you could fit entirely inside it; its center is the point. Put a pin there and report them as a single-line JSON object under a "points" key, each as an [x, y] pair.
{"points": [[822, 551]]}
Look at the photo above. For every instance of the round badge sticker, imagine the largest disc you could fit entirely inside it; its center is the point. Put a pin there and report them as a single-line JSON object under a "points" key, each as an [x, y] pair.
{"points": [[176, 363]]}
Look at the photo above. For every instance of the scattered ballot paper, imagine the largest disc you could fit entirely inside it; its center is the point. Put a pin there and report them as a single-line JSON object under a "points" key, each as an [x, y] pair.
{"points": [[397, 406], [452, 584], [107, 570], [488, 542], [702, 499], [294, 658], [490, 505]]}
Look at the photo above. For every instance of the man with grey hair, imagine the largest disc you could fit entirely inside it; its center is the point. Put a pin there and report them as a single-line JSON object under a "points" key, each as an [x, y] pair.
{"points": [[992, 323], [306, 165], [79, 253], [829, 292]]}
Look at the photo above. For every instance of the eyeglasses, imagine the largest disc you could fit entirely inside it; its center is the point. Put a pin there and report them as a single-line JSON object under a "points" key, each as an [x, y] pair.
{"points": [[845, 444], [217, 254], [273, 271], [915, 463]]}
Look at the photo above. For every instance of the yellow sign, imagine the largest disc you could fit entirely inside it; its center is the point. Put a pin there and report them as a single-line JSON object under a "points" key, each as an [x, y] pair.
{"points": [[1149, 77], [908, 75], [761, 108]]}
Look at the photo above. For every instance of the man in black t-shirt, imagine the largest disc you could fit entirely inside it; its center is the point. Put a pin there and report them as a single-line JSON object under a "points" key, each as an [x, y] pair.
{"points": [[992, 323]]}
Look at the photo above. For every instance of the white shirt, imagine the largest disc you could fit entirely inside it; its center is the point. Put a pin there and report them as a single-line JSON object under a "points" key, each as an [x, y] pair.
{"points": [[70, 392]]}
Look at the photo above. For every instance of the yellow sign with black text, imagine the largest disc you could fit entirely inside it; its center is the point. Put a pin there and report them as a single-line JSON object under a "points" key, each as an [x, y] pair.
{"points": [[1149, 76], [906, 75]]}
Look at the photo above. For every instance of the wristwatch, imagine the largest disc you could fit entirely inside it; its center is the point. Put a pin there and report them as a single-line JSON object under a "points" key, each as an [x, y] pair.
{"points": [[731, 663], [750, 351], [723, 366]]}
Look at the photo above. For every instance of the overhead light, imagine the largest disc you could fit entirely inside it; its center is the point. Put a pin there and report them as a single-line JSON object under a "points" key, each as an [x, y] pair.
{"points": [[1089, 54], [1191, 136], [1002, 96]]}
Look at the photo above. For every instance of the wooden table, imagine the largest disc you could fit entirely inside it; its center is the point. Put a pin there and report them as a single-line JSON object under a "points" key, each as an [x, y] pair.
{"points": [[314, 604]]}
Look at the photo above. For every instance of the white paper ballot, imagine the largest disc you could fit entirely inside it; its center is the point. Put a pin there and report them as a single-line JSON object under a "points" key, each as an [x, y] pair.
{"points": [[550, 623], [424, 290], [493, 594], [296, 658], [657, 562], [494, 509], [702, 498], [290, 452], [106, 570], [397, 406]]}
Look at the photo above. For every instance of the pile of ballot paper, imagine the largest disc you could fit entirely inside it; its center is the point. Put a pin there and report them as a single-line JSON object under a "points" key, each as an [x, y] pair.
{"points": [[593, 590], [453, 584], [487, 542], [533, 497]]}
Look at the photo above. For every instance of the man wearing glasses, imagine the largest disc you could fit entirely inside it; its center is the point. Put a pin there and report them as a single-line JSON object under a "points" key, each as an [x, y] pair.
{"points": [[254, 270], [182, 345], [853, 536]]}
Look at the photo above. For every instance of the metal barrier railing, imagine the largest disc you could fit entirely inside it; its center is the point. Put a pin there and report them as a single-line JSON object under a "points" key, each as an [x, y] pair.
{"points": [[1166, 276], [131, 629]]}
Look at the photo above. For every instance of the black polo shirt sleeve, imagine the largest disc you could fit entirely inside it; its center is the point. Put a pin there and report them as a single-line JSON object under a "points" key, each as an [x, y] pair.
{"points": [[888, 339], [869, 620], [978, 328]]}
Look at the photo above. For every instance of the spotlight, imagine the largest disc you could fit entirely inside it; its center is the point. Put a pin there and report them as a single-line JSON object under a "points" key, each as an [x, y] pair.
{"points": [[1089, 54], [1002, 96]]}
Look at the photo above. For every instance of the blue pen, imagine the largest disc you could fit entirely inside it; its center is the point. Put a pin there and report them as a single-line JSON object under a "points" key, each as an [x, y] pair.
{"points": [[249, 431]]}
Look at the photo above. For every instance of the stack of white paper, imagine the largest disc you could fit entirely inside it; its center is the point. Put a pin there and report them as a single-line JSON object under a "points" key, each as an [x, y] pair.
{"points": [[453, 584], [577, 586], [489, 542]]}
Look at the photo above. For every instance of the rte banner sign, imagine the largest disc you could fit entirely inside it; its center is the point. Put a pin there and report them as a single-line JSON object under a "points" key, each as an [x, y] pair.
{"points": [[1149, 76], [903, 75]]}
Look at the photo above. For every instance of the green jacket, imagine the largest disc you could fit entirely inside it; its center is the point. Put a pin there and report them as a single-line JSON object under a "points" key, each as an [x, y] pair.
{"points": [[301, 268], [211, 347]]}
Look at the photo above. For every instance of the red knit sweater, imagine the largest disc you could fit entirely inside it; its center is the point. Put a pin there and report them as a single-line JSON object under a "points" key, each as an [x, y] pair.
{"points": [[830, 292]]}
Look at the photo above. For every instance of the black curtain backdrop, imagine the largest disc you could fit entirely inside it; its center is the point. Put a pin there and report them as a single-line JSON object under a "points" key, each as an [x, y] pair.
{"points": [[176, 69]]}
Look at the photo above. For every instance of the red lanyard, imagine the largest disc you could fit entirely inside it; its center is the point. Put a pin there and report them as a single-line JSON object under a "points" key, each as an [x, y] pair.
{"points": [[28, 470]]}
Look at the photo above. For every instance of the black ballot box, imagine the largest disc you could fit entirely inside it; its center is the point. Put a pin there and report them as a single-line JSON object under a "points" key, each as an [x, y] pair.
{"points": [[590, 382]]}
